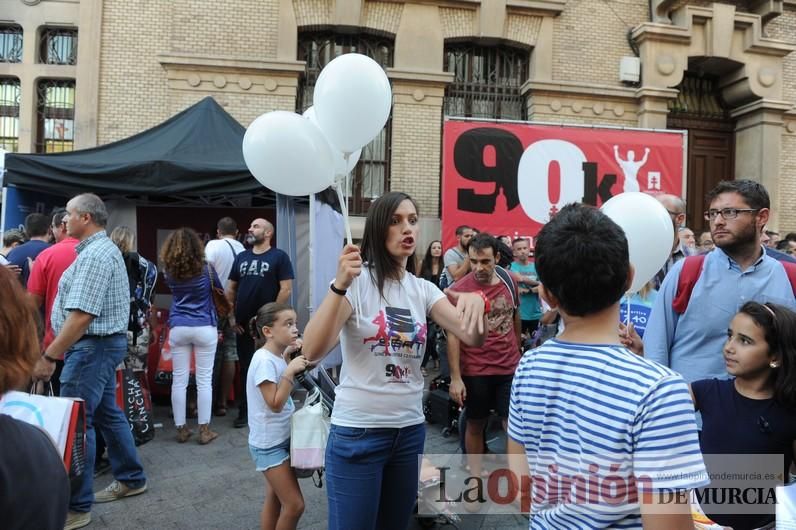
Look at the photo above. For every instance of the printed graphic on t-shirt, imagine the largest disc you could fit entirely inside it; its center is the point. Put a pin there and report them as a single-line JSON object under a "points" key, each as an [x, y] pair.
{"points": [[254, 268], [397, 334], [501, 317]]}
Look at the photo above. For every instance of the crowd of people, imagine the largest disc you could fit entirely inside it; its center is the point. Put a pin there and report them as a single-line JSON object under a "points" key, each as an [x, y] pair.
{"points": [[541, 334]]}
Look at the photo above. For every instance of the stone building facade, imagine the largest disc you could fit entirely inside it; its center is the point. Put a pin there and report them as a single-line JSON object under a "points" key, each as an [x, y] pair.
{"points": [[724, 70]]}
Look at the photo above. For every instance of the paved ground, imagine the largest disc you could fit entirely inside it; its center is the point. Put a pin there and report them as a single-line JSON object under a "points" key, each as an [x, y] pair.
{"points": [[216, 486]]}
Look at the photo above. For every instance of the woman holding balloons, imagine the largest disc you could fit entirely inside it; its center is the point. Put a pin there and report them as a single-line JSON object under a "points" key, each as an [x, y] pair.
{"points": [[379, 311]]}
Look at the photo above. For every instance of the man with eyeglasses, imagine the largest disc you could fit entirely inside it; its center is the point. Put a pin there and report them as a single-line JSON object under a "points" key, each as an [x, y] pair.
{"points": [[736, 271], [45, 275]]}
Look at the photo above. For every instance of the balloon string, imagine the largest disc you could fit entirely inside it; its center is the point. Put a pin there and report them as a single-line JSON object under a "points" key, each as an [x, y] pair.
{"points": [[347, 224], [627, 315]]}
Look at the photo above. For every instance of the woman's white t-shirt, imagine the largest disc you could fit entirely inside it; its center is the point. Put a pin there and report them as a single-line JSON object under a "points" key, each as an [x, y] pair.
{"points": [[266, 427], [380, 380]]}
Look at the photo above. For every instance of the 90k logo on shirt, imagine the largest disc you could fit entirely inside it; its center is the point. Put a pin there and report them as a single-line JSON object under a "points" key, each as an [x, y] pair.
{"points": [[397, 373]]}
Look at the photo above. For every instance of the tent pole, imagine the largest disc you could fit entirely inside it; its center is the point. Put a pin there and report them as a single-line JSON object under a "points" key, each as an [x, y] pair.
{"points": [[311, 255]]}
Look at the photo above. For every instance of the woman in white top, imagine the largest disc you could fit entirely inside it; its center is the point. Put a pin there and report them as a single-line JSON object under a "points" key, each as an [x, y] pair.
{"points": [[379, 312]]}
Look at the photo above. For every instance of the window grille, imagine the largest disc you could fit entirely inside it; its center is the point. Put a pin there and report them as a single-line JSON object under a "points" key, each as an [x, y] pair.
{"points": [[58, 46], [56, 116], [487, 81], [10, 43], [9, 114], [698, 97], [370, 178]]}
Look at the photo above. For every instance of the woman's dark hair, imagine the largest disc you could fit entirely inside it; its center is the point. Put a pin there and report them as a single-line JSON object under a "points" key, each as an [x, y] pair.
{"points": [[426, 268], [183, 254], [779, 327], [266, 316], [373, 250]]}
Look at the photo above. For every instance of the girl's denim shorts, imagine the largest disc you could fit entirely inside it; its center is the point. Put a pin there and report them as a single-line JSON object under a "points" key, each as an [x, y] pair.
{"points": [[265, 459]]}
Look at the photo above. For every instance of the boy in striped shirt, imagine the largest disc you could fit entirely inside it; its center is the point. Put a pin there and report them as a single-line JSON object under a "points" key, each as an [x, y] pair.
{"points": [[609, 437]]}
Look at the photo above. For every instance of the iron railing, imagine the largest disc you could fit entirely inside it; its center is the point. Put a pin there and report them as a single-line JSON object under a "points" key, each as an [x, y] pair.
{"points": [[487, 81], [55, 116], [58, 46], [698, 97], [10, 94], [10, 43], [371, 176]]}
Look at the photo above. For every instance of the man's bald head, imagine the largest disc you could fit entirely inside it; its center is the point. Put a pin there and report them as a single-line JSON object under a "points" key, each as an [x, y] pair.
{"points": [[676, 207], [672, 203], [260, 231]]}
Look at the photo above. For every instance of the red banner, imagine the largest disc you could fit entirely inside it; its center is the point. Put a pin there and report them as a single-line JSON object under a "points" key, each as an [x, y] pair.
{"points": [[510, 178]]}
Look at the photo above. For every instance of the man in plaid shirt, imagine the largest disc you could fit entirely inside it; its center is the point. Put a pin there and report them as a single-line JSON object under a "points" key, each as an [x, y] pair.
{"points": [[89, 318]]}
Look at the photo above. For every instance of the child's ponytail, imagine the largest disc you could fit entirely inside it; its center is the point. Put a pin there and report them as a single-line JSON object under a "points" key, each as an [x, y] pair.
{"points": [[266, 316]]}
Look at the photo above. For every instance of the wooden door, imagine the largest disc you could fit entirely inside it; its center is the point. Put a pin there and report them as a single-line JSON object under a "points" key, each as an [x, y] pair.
{"points": [[711, 157]]}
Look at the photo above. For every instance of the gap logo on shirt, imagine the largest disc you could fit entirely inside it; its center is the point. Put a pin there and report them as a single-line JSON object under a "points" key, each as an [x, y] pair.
{"points": [[397, 334], [254, 268]]}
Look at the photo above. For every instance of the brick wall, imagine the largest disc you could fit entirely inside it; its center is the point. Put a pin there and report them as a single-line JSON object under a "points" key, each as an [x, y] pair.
{"points": [[589, 39], [416, 154], [784, 28], [457, 22], [133, 95], [383, 16], [787, 187], [240, 28]]}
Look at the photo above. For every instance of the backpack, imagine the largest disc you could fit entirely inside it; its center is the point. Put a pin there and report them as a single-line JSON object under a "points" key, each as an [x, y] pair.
{"points": [[692, 270], [444, 283], [508, 281], [141, 276]]}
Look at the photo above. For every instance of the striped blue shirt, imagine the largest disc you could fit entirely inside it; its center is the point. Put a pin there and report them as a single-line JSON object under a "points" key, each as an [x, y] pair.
{"points": [[593, 419], [95, 283]]}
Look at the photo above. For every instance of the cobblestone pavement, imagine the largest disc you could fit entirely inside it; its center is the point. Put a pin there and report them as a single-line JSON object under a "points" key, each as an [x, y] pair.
{"points": [[215, 486]]}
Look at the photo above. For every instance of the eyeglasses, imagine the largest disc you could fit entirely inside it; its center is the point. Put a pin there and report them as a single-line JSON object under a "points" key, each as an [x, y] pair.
{"points": [[674, 214], [728, 213]]}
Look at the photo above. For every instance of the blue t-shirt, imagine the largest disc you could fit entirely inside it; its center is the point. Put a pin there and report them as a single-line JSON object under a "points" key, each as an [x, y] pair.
{"points": [[21, 255], [639, 310], [734, 424], [258, 277], [530, 308]]}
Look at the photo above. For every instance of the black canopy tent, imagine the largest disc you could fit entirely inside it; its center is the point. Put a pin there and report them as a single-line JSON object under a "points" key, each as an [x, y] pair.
{"points": [[194, 154]]}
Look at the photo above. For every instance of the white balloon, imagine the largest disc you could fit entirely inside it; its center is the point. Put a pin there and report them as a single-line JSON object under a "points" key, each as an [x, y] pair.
{"points": [[352, 101], [288, 154], [648, 229], [341, 167]]}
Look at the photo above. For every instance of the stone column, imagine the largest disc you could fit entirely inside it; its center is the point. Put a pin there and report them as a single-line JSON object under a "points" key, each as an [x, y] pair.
{"points": [[88, 74], [654, 106], [758, 144]]}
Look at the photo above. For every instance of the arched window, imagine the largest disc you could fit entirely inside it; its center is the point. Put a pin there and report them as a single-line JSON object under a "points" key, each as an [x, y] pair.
{"points": [[10, 43], [9, 113], [371, 176], [487, 81], [55, 116]]}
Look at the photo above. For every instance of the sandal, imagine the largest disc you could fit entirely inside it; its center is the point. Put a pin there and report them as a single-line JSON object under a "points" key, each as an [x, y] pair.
{"points": [[220, 410], [183, 433], [424, 372]]}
